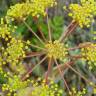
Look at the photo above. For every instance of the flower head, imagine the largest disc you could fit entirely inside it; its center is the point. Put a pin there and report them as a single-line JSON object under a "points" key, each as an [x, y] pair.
{"points": [[20, 10], [14, 84], [6, 30], [31, 7], [83, 13], [15, 49], [46, 90], [89, 54], [39, 88], [56, 49], [74, 92]]}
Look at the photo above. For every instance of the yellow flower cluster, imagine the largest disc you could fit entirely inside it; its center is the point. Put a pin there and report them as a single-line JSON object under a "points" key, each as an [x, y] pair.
{"points": [[46, 90], [40, 6], [94, 35], [94, 90], [14, 84], [3, 75], [11, 49], [75, 92], [14, 50], [89, 54], [56, 49], [84, 13], [5, 30], [32, 7], [19, 10], [39, 87], [2, 61]]}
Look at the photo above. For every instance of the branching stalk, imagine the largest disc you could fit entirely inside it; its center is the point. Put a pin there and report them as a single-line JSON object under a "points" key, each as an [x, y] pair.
{"points": [[31, 70]]}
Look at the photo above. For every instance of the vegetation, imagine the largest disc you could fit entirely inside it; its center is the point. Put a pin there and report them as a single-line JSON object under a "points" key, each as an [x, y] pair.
{"points": [[44, 54]]}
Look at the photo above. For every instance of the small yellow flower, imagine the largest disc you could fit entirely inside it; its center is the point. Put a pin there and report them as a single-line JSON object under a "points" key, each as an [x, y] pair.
{"points": [[46, 90], [20, 10], [56, 49], [31, 7], [89, 54], [94, 90], [83, 13], [15, 49], [14, 83], [6, 30], [75, 92]]}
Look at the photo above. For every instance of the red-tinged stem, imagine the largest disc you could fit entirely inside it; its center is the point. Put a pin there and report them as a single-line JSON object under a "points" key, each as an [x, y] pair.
{"points": [[76, 56], [69, 30], [35, 46], [49, 69], [80, 46], [69, 65], [39, 28], [78, 73], [32, 54], [64, 66], [42, 34], [33, 32], [66, 30], [31, 70], [49, 29], [61, 73]]}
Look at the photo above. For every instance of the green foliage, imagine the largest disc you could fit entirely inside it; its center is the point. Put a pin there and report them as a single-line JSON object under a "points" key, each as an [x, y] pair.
{"points": [[24, 57], [57, 26]]}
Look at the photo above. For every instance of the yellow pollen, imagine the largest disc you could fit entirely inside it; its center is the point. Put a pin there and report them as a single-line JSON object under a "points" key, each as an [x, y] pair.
{"points": [[84, 12], [89, 55], [56, 49]]}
